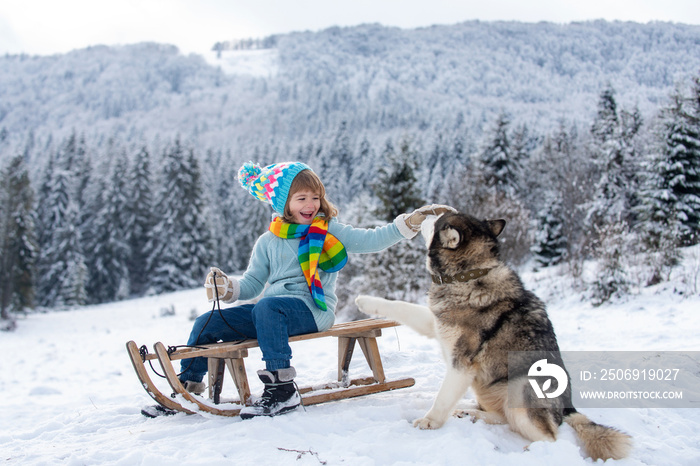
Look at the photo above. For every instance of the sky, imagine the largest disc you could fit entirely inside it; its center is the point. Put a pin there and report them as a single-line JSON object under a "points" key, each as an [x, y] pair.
{"points": [[45, 27]]}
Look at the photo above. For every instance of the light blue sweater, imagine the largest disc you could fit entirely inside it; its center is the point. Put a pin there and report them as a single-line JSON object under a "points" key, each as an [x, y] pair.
{"points": [[274, 260]]}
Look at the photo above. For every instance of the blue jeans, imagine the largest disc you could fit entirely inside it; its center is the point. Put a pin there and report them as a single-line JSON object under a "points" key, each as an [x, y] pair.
{"points": [[271, 320]]}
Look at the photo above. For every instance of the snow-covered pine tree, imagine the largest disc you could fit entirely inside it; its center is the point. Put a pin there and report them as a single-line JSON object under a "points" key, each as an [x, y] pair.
{"points": [[249, 219], [339, 167], [658, 229], [395, 183], [397, 272], [523, 144], [61, 270], [500, 166], [139, 222], [434, 167], [238, 218], [658, 222], [44, 214], [181, 246], [613, 149], [199, 240], [680, 168], [107, 262], [365, 166], [79, 164], [606, 120], [611, 210], [63, 273], [18, 248], [550, 245], [220, 175], [611, 279]]}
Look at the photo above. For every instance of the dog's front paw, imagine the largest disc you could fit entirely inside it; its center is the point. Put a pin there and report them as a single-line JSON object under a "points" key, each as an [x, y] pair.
{"points": [[369, 304], [427, 423]]}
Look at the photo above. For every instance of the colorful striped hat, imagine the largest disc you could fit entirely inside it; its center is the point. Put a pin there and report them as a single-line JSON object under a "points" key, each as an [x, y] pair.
{"points": [[270, 184]]}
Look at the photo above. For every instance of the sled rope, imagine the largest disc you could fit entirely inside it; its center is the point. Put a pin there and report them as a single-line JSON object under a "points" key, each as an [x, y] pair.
{"points": [[143, 351], [216, 305]]}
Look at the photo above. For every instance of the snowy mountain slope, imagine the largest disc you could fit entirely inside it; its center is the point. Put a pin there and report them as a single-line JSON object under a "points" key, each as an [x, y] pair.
{"points": [[70, 396], [379, 80], [262, 63]]}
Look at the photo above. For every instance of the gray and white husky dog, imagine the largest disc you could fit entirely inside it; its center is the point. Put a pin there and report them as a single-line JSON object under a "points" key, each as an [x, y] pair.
{"points": [[479, 311]]}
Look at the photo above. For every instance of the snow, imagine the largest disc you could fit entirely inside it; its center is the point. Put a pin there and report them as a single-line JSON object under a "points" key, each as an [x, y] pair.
{"points": [[261, 62], [70, 395]]}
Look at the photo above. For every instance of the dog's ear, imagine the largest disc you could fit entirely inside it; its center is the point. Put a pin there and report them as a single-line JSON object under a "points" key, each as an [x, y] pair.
{"points": [[496, 226], [449, 238]]}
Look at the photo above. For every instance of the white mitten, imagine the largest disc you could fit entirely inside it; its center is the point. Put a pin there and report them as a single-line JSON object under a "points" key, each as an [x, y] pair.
{"points": [[414, 220], [226, 289]]}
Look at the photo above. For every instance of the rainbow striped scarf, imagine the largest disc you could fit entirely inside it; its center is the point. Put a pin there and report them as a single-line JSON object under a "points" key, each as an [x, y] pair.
{"points": [[318, 249]]}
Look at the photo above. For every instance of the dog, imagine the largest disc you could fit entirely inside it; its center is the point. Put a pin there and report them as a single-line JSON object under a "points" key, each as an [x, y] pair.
{"points": [[480, 311]]}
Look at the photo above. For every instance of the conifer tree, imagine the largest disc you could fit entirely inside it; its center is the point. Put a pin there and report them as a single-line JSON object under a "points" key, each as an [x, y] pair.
{"points": [[181, 245], [63, 273], [398, 271], [139, 220], [550, 243], [606, 121], [338, 169], [108, 244], [499, 164], [613, 149], [18, 248], [44, 213], [364, 168], [523, 144], [434, 166], [248, 220], [611, 279], [395, 184], [77, 162], [679, 168], [670, 198]]}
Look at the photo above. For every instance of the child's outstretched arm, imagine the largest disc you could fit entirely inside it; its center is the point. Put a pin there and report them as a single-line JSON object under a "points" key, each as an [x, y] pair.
{"points": [[365, 240]]}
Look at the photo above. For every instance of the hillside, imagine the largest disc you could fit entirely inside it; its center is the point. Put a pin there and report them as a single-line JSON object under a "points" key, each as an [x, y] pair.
{"points": [[380, 80]]}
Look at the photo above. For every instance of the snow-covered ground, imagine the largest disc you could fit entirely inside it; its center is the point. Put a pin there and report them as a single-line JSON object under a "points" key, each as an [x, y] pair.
{"points": [[69, 394], [261, 63]]}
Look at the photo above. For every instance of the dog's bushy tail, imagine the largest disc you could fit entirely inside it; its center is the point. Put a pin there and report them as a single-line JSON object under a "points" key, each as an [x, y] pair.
{"points": [[600, 442]]}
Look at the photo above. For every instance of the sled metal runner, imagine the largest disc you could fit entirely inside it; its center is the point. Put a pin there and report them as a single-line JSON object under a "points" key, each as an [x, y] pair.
{"points": [[232, 355]]}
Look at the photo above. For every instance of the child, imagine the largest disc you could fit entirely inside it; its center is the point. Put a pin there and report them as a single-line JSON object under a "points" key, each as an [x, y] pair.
{"points": [[301, 294]]}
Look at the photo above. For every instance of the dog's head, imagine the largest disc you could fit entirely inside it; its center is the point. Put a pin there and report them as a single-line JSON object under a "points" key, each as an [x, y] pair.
{"points": [[459, 241]]}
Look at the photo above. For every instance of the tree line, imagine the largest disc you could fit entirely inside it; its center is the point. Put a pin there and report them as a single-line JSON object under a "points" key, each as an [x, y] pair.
{"points": [[92, 229]]}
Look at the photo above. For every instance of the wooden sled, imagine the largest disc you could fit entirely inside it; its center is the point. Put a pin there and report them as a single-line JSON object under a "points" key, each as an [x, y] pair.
{"points": [[232, 355], [137, 360]]}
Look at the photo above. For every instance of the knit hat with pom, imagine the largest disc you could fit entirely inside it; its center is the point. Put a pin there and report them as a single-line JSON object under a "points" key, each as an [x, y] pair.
{"points": [[270, 184]]}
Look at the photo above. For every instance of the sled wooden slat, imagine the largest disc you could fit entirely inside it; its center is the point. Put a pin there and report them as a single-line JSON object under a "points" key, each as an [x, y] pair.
{"points": [[358, 328], [354, 391], [364, 332]]}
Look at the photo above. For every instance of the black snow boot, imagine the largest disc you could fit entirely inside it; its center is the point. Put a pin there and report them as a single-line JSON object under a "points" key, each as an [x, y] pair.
{"points": [[279, 396]]}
